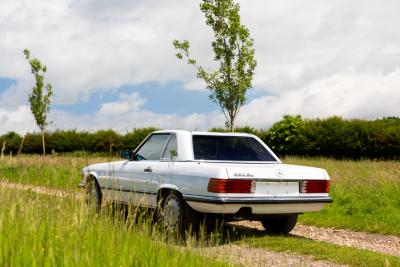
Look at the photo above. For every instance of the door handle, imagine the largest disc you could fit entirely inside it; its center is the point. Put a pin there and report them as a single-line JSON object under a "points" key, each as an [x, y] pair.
{"points": [[148, 169]]}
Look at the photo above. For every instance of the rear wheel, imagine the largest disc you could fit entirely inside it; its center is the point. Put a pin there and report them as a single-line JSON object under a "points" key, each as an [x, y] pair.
{"points": [[175, 217], [93, 195], [280, 225]]}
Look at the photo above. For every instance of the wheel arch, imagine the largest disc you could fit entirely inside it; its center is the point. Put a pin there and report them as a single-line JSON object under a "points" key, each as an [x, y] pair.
{"points": [[163, 190]]}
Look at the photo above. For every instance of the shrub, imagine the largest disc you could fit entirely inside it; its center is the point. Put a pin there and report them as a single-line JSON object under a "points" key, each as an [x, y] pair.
{"points": [[336, 137], [12, 141], [287, 135]]}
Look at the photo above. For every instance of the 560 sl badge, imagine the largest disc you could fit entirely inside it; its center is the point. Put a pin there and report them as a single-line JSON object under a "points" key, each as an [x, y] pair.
{"points": [[242, 174]]}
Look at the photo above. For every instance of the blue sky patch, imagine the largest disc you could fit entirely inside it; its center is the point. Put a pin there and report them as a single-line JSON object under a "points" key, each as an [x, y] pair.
{"points": [[6, 83], [170, 98]]}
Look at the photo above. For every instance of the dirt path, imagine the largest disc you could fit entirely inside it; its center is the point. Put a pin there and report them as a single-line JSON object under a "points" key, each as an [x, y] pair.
{"points": [[248, 256], [386, 244], [39, 189]]}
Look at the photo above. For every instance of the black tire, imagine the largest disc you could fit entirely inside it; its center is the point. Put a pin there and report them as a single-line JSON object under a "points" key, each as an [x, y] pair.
{"points": [[93, 195], [280, 225], [175, 217]]}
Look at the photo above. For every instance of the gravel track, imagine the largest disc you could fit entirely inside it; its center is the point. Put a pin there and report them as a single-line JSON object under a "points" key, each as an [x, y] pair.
{"points": [[386, 244], [248, 256]]}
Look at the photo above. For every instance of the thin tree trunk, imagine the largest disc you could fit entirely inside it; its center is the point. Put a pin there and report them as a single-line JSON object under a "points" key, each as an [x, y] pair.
{"points": [[44, 147], [110, 150], [231, 124], [3, 148], [21, 145]]}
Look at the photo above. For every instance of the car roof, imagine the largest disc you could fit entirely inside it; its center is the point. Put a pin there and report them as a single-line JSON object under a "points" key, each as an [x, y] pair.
{"points": [[204, 133]]}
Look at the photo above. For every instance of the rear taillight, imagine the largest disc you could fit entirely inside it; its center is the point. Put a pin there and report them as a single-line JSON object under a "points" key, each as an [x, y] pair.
{"points": [[230, 186], [314, 186]]}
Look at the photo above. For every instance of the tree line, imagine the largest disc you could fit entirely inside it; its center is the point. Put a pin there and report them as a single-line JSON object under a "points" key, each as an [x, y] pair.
{"points": [[107, 142], [333, 137]]}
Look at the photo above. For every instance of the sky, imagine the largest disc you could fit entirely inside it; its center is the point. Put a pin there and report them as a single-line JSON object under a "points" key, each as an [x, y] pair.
{"points": [[112, 64]]}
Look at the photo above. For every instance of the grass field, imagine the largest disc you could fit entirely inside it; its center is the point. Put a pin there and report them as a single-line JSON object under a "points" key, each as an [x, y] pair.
{"points": [[37, 230], [61, 172], [40, 230], [46, 231], [366, 193]]}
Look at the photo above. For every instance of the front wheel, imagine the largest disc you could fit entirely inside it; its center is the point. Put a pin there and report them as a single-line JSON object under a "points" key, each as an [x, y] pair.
{"points": [[93, 195], [280, 225]]}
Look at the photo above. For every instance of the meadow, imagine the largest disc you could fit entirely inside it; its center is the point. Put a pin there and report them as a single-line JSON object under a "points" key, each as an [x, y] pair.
{"points": [[61, 172], [366, 193], [46, 231], [40, 230]]}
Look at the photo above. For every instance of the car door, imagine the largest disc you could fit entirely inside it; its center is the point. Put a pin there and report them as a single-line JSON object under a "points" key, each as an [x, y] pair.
{"points": [[163, 170], [135, 182]]}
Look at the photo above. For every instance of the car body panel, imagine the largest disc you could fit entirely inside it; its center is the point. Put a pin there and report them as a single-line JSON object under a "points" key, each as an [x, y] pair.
{"points": [[275, 186]]}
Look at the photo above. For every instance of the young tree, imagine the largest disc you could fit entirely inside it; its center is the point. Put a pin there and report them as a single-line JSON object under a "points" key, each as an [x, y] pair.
{"points": [[233, 49], [39, 100]]}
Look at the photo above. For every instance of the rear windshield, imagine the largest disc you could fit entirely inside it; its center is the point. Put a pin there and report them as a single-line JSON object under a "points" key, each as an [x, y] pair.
{"points": [[229, 148]]}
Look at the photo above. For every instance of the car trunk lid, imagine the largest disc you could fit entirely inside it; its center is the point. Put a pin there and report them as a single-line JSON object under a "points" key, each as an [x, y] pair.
{"points": [[274, 179], [274, 172]]}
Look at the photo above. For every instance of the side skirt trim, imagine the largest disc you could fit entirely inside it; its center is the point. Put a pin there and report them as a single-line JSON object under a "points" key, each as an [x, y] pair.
{"points": [[129, 190]]}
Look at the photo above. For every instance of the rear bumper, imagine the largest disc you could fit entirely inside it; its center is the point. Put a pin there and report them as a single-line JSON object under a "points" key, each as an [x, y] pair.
{"points": [[265, 205], [263, 200]]}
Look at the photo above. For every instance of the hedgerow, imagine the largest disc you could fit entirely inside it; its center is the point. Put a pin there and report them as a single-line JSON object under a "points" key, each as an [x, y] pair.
{"points": [[330, 137]]}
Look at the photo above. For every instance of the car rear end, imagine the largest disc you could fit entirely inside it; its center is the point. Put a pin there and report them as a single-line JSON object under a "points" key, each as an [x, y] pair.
{"points": [[256, 182], [258, 190]]}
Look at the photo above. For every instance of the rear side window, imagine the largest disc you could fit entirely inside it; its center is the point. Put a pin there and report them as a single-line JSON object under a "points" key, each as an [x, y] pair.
{"points": [[229, 148], [154, 146]]}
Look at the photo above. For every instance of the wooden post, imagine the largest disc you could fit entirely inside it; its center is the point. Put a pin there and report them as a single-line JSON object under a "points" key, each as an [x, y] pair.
{"points": [[21, 145]]}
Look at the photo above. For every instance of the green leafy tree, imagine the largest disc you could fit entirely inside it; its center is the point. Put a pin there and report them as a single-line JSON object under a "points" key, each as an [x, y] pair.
{"points": [[11, 141], [287, 135], [233, 49], [39, 100]]}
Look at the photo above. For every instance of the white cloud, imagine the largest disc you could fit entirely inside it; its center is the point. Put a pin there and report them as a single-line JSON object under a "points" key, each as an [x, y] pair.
{"points": [[321, 57], [122, 115], [96, 45], [128, 120], [19, 120], [128, 113], [126, 103], [349, 95]]}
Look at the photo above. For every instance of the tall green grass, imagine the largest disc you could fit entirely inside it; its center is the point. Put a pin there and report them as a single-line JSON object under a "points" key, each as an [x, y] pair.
{"points": [[366, 195], [37, 230], [53, 171]]}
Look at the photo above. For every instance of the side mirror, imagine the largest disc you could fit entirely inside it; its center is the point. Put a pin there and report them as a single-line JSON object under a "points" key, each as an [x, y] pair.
{"points": [[126, 154]]}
